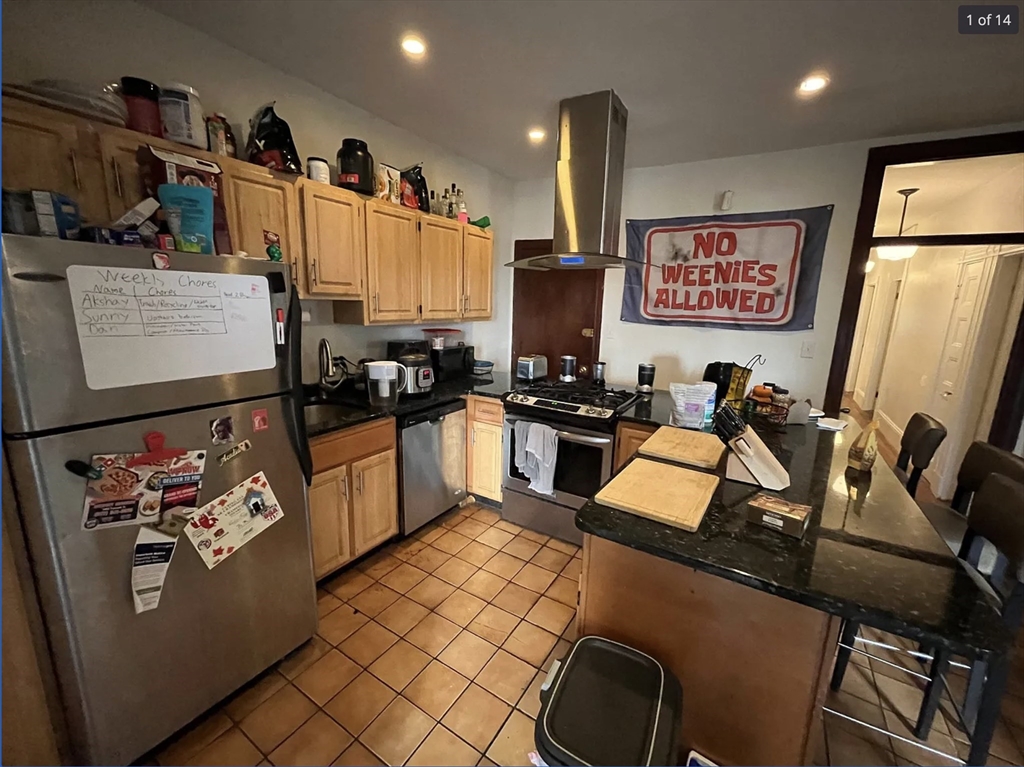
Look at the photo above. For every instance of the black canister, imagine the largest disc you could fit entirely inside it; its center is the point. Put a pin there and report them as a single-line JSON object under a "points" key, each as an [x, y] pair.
{"points": [[355, 166], [645, 377]]}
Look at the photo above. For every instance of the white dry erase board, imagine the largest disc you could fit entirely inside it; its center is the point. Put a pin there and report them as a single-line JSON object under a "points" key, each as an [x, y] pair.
{"points": [[141, 326]]}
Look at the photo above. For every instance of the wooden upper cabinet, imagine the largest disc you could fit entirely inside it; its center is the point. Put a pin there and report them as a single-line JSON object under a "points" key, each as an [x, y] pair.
{"points": [[50, 151], [374, 500], [259, 203], [335, 240], [440, 268], [392, 263], [478, 250], [329, 520]]}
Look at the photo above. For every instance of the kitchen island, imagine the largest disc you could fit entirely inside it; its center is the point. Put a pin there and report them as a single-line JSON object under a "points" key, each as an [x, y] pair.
{"points": [[748, 618]]}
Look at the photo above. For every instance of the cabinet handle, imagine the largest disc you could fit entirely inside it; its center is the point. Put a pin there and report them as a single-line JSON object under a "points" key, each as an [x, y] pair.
{"points": [[376, 303], [344, 486], [465, 303], [472, 436], [117, 179], [74, 169], [312, 272], [359, 482]]}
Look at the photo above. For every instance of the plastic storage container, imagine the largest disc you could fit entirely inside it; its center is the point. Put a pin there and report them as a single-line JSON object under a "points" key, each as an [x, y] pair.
{"points": [[181, 113], [609, 704], [355, 167], [143, 101]]}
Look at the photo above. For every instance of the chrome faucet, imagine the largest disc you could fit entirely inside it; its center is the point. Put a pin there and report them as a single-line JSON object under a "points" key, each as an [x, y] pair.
{"points": [[328, 369]]}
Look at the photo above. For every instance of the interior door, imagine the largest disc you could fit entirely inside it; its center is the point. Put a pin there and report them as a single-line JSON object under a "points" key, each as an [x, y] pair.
{"points": [[478, 247], [441, 272], [213, 629], [875, 344], [375, 500], [556, 312], [392, 263], [335, 246]]}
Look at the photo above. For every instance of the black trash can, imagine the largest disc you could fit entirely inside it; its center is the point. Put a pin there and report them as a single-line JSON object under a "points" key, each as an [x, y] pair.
{"points": [[609, 704]]}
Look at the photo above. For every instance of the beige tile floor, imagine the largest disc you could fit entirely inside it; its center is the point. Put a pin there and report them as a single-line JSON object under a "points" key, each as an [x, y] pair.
{"points": [[433, 650]]}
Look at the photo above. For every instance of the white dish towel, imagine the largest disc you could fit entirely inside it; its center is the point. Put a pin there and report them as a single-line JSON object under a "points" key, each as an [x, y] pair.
{"points": [[541, 454], [522, 436]]}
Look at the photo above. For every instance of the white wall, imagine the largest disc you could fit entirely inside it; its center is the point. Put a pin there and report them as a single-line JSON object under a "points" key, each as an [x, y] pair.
{"points": [[777, 181], [99, 41]]}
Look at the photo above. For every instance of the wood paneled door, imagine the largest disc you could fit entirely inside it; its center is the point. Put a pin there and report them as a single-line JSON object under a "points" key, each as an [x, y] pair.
{"points": [[556, 312], [329, 520], [440, 268], [484, 460], [392, 263], [374, 500], [478, 247], [333, 222]]}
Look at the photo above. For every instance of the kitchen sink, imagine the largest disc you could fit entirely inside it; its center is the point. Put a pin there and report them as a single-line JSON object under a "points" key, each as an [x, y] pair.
{"points": [[318, 413]]}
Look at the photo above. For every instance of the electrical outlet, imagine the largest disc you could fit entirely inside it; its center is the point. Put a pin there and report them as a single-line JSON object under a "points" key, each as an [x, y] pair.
{"points": [[807, 349]]}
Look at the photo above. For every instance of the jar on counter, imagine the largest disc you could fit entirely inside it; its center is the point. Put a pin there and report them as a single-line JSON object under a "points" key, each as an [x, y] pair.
{"points": [[780, 397], [181, 113], [317, 169], [143, 101]]}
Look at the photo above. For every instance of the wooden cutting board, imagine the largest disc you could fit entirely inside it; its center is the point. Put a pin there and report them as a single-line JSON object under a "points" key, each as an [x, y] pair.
{"points": [[696, 448], [660, 491]]}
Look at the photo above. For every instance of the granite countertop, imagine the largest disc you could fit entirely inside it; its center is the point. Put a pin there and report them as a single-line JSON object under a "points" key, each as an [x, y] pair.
{"points": [[347, 406], [869, 553], [654, 409]]}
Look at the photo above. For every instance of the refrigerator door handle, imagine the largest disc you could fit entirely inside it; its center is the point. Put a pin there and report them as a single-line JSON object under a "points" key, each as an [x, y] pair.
{"points": [[293, 321]]}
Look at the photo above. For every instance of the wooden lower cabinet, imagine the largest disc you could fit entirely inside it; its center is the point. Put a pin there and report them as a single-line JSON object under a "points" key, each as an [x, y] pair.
{"points": [[329, 520], [375, 500], [353, 499], [484, 454], [628, 439]]}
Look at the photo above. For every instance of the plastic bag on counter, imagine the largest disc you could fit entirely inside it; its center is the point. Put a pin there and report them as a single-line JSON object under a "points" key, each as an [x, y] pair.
{"points": [[270, 142], [414, 188]]}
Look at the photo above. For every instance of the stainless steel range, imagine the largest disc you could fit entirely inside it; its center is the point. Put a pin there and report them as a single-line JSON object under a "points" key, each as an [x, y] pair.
{"points": [[583, 416]]}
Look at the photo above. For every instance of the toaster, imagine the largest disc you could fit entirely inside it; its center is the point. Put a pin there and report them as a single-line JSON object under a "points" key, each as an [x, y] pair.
{"points": [[532, 367]]}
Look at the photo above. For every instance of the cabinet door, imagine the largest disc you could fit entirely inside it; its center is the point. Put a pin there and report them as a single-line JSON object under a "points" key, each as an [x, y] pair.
{"points": [[40, 153], [329, 520], [478, 251], [259, 203], [485, 459], [119, 152], [392, 263], [335, 251], [375, 501], [440, 268], [627, 441]]}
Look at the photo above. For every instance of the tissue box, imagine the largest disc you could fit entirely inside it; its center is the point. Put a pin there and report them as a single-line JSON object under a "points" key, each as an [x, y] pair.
{"points": [[779, 514]]}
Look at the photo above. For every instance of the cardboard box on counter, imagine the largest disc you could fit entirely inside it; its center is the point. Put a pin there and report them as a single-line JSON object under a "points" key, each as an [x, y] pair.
{"points": [[779, 514], [40, 213]]}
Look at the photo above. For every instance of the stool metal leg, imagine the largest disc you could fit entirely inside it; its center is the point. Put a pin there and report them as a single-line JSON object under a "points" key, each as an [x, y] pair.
{"points": [[847, 637], [932, 693], [988, 710]]}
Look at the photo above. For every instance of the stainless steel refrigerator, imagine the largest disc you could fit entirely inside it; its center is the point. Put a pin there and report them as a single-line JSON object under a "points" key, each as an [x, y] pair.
{"points": [[78, 384]]}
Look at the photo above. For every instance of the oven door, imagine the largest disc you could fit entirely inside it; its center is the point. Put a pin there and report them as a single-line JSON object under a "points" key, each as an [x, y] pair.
{"points": [[584, 464]]}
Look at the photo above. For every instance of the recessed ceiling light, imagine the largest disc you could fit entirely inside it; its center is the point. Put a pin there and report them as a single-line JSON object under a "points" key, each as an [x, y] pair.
{"points": [[813, 84], [536, 135], [413, 46]]}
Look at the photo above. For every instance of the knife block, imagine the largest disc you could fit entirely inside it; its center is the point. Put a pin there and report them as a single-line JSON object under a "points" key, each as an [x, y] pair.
{"points": [[751, 461]]}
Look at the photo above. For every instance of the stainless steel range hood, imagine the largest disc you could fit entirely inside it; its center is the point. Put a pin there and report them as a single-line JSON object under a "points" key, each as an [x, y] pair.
{"points": [[588, 185]]}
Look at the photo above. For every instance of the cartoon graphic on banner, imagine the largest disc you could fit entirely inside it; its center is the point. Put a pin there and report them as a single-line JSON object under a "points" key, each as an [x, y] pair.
{"points": [[750, 271], [142, 488], [226, 524]]}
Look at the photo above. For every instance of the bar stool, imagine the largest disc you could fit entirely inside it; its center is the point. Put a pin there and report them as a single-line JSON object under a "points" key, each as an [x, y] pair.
{"points": [[921, 439], [996, 518], [981, 460]]}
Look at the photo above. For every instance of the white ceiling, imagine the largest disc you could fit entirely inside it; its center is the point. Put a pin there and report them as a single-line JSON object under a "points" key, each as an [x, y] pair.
{"points": [[941, 184], [701, 79]]}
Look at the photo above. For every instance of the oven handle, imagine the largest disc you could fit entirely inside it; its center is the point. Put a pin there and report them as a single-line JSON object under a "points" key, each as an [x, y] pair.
{"points": [[570, 437]]}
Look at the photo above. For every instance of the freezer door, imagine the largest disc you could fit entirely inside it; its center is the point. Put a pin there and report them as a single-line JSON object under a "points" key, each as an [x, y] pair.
{"points": [[433, 468], [129, 681], [44, 381]]}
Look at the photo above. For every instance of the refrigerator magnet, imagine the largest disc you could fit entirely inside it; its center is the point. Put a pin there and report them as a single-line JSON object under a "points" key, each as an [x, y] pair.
{"points": [[242, 447], [150, 560], [161, 261], [260, 420], [222, 430]]}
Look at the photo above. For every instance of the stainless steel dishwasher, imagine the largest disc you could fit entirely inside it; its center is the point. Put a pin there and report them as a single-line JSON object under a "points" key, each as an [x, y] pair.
{"points": [[432, 473]]}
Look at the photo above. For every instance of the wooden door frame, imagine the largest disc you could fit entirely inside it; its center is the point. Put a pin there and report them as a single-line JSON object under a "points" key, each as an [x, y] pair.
{"points": [[864, 240], [527, 248]]}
